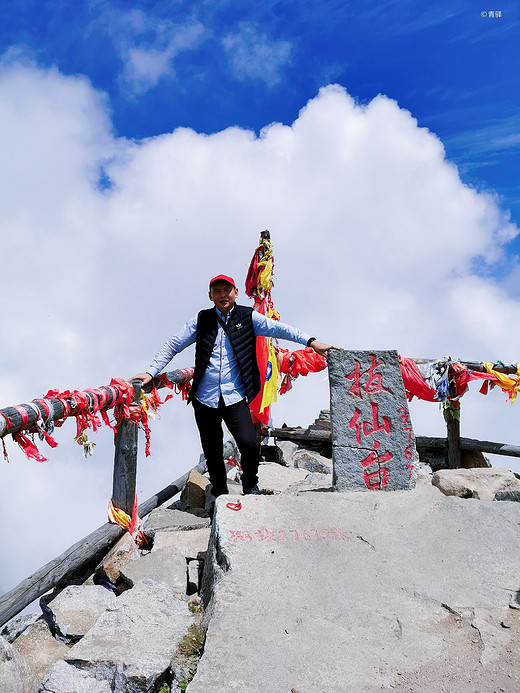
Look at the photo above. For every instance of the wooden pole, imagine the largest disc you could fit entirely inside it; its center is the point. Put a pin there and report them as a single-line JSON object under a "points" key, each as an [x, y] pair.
{"points": [[125, 460], [452, 416], [88, 551]]}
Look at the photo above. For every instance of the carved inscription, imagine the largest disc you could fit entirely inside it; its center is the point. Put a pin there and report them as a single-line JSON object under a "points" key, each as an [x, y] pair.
{"points": [[287, 535], [373, 442]]}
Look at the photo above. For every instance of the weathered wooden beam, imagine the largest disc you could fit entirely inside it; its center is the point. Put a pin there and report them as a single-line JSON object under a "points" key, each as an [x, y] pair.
{"points": [[169, 491], [428, 443], [422, 442], [301, 434], [88, 550]]}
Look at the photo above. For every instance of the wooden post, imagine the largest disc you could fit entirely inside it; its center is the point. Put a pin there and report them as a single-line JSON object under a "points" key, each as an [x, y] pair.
{"points": [[452, 416], [125, 461]]}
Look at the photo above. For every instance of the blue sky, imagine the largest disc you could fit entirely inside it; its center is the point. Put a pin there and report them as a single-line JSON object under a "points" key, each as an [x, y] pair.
{"points": [[209, 65]]}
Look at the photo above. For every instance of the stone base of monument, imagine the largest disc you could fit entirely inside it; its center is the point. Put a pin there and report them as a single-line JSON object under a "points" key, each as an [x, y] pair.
{"points": [[373, 443]]}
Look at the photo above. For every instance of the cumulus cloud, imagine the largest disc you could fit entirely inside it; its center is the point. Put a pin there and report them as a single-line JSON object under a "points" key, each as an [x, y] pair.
{"points": [[253, 55], [377, 244]]}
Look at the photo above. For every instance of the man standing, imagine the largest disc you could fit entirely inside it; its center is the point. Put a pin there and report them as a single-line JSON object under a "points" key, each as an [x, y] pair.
{"points": [[226, 376]]}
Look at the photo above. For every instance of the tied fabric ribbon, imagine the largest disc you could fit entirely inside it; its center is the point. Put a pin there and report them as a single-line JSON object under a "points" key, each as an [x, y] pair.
{"points": [[451, 383], [150, 405], [296, 363], [414, 383], [507, 383], [27, 445], [131, 524], [183, 388]]}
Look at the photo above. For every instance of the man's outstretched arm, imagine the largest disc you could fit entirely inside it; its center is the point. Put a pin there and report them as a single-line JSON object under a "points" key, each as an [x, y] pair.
{"points": [[266, 327], [173, 346], [321, 348]]}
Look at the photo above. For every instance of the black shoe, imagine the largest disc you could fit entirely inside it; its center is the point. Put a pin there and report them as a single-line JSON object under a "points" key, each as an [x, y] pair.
{"points": [[252, 491]]}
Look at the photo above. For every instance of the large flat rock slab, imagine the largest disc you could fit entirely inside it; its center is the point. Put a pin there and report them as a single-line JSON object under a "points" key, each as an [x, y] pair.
{"points": [[132, 643], [354, 591], [172, 520], [75, 610]]}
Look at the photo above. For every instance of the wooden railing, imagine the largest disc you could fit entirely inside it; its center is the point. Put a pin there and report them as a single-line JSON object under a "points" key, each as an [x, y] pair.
{"points": [[24, 417], [88, 550]]}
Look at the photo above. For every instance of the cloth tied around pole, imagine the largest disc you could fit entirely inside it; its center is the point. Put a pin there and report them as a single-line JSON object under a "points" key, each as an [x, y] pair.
{"points": [[131, 524]]}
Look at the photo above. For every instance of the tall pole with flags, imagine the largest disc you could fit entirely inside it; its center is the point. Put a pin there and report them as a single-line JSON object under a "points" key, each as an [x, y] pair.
{"points": [[259, 284]]}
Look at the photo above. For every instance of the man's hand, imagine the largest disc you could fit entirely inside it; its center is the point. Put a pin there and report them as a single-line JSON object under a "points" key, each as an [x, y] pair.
{"points": [[145, 377], [321, 348]]}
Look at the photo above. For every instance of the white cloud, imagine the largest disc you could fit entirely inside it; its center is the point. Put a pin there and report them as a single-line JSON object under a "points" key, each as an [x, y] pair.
{"points": [[147, 45], [253, 55], [375, 242]]}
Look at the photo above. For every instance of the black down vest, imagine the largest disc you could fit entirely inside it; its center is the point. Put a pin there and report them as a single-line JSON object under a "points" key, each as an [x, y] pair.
{"points": [[242, 337]]}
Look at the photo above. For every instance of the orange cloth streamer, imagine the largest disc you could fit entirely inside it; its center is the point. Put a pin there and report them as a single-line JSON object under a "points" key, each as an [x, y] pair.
{"points": [[131, 524]]}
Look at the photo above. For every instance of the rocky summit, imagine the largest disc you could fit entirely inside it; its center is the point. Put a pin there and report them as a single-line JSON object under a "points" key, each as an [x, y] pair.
{"points": [[296, 590]]}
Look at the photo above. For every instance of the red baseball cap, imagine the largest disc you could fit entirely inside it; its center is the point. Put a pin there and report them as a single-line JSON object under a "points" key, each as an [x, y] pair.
{"points": [[223, 278]]}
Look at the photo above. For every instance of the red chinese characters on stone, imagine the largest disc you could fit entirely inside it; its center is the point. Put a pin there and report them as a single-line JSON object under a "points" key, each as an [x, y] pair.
{"points": [[367, 427], [266, 535], [369, 383], [284, 535], [238, 535], [374, 382], [408, 453], [377, 479]]}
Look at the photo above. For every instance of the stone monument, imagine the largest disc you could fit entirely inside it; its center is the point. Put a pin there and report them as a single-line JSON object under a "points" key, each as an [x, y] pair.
{"points": [[373, 443]]}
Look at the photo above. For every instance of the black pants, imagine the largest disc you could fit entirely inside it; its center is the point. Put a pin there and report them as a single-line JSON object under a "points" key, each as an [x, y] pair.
{"points": [[237, 418]]}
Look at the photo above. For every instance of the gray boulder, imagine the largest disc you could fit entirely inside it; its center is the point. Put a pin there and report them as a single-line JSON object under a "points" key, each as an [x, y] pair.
{"points": [[194, 493], [170, 520], [15, 674], [163, 566], [124, 551], [39, 648], [65, 678], [312, 462], [132, 644], [289, 450], [75, 610], [312, 482], [273, 477], [187, 544], [17, 625], [481, 483], [511, 495]]}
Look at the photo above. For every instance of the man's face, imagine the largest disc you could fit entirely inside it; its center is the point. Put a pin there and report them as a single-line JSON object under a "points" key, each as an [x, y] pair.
{"points": [[223, 295]]}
